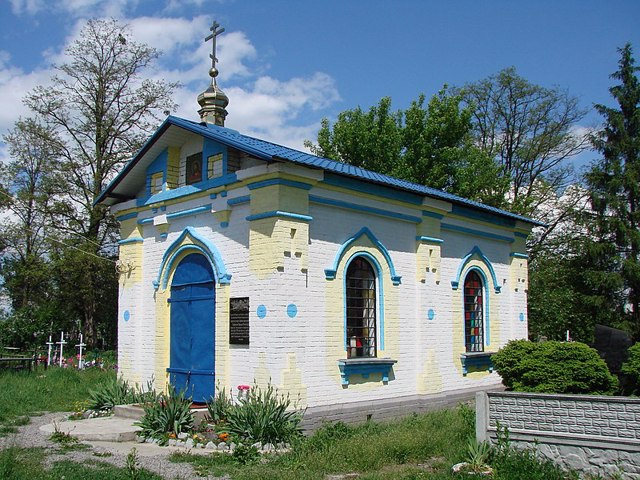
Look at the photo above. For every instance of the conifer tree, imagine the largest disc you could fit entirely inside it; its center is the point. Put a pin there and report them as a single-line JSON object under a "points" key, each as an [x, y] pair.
{"points": [[614, 183]]}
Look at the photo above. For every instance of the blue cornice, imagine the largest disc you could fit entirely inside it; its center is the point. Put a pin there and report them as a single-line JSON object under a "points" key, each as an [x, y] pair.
{"points": [[238, 200], [127, 216], [127, 241], [182, 213], [278, 213], [519, 255], [476, 233], [279, 181], [429, 239], [363, 208]]}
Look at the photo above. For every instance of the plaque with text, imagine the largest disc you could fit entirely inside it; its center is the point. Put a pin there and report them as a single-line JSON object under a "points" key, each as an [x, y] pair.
{"points": [[239, 321]]}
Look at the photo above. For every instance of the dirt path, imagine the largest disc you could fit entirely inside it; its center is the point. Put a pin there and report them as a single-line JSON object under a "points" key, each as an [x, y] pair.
{"points": [[150, 457]]}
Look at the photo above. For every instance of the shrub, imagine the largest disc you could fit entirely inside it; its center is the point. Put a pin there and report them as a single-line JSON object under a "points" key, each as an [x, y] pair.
{"points": [[116, 391], [264, 416], [553, 367], [632, 366], [170, 413]]}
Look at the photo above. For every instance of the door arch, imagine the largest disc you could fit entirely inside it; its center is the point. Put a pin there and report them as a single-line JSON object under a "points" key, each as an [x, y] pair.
{"points": [[192, 328]]}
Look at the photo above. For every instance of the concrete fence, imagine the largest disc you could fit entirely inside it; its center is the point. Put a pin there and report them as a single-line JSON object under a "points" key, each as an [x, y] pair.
{"points": [[594, 434]]}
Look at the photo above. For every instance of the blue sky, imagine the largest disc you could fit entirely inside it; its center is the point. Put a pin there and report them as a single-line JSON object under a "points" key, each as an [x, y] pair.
{"points": [[287, 64]]}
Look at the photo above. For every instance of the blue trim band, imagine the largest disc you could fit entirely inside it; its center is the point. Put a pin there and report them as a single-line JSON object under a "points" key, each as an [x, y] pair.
{"points": [[280, 214], [279, 181], [467, 258], [238, 200], [330, 273], [181, 213], [200, 244], [426, 213], [130, 240], [185, 190], [483, 216], [362, 208], [519, 255], [477, 233], [190, 211], [127, 216], [371, 188], [429, 239]]}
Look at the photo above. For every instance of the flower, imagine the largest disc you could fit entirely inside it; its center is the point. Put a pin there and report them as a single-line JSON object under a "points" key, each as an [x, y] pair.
{"points": [[243, 387], [224, 436]]}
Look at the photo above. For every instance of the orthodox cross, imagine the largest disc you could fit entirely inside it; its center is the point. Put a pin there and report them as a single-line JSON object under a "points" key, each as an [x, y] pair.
{"points": [[214, 33]]}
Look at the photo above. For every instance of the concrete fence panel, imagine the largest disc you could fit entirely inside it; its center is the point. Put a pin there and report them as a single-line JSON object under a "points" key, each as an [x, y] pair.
{"points": [[594, 434]]}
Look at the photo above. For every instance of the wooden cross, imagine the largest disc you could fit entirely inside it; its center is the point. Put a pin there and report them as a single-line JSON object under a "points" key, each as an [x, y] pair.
{"points": [[214, 33]]}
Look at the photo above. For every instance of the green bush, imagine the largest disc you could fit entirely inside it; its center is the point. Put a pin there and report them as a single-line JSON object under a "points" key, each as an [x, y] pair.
{"points": [[632, 366], [170, 413], [116, 391], [218, 407], [264, 416], [553, 367]]}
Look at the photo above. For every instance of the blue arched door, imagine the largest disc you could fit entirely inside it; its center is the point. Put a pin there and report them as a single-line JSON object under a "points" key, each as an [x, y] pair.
{"points": [[192, 345]]}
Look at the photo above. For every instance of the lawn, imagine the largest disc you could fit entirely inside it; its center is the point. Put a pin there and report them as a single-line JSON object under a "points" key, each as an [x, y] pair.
{"points": [[417, 447]]}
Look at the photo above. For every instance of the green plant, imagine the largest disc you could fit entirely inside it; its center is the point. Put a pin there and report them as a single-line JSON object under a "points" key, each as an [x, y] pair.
{"points": [[171, 413], [553, 367], [264, 416], [117, 391], [632, 366], [133, 467], [220, 406], [245, 454], [61, 437], [478, 454]]}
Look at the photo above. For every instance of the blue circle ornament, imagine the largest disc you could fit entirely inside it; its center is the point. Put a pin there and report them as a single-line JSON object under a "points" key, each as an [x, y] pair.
{"points": [[431, 314], [261, 311], [521, 317], [292, 310], [126, 315]]}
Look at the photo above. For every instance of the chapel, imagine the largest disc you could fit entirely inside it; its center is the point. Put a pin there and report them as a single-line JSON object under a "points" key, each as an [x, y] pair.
{"points": [[360, 295]]}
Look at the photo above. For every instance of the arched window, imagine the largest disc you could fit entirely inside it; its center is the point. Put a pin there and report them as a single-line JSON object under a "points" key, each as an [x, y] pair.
{"points": [[473, 313], [361, 309]]}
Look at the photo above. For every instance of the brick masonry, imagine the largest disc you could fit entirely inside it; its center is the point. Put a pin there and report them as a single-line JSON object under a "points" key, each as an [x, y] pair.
{"points": [[595, 434]]}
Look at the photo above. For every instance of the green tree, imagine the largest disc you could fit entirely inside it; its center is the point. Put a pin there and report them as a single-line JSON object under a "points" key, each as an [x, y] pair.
{"points": [[429, 145], [99, 111], [614, 184], [529, 131]]}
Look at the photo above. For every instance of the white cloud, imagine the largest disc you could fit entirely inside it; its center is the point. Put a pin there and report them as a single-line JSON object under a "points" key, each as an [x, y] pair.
{"points": [[29, 7]]}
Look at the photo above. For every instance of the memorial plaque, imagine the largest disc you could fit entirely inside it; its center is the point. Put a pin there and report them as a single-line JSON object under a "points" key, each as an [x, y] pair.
{"points": [[239, 321]]}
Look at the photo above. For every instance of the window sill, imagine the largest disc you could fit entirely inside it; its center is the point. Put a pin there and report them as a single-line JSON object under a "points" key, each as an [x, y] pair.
{"points": [[365, 366], [476, 361]]}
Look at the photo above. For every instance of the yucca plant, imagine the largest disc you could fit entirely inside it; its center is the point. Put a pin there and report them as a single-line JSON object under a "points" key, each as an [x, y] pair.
{"points": [[264, 416], [170, 413]]}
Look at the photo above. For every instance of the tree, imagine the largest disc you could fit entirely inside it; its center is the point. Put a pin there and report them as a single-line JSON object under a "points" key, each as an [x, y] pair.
{"points": [[529, 131], [426, 145], [98, 112], [32, 147], [614, 184]]}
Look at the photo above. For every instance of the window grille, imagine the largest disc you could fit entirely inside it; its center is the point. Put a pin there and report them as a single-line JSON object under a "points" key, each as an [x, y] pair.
{"points": [[473, 313], [361, 309]]}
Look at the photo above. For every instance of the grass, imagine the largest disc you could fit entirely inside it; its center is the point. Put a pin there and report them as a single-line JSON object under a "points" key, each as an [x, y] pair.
{"points": [[417, 447], [23, 394]]}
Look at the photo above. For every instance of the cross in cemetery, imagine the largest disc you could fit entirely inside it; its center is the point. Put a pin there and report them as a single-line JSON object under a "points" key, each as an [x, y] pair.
{"points": [[62, 342], [49, 345], [81, 345], [214, 33]]}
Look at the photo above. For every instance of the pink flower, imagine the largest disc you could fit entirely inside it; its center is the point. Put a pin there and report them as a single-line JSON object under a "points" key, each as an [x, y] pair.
{"points": [[243, 388]]}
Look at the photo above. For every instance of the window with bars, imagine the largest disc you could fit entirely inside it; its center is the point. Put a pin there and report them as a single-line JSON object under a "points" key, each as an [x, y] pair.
{"points": [[361, 309], [473, 313]]}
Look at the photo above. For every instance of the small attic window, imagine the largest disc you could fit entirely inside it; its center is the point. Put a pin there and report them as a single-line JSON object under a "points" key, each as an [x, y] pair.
{"points": [[215, 166], [194, 169]]}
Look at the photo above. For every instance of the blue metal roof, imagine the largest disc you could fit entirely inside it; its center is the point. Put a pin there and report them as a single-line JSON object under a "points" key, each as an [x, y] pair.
{"points": [[273, 152]]}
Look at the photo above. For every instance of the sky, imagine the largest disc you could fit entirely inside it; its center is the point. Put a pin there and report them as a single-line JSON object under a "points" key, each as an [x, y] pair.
{"points": [[285, 65]]}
